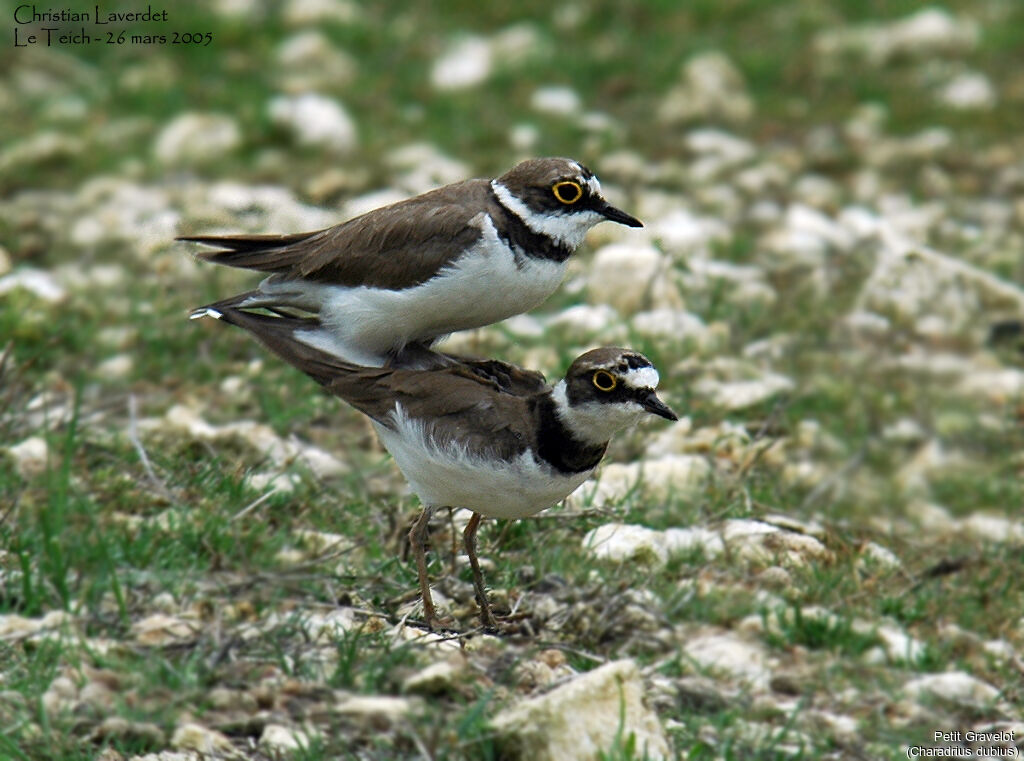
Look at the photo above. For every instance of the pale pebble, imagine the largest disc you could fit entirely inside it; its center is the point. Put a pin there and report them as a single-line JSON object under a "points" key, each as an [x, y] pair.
{"points": [[197, 138], [582, 718], [315, 121], [30, 456], [466, 63]]}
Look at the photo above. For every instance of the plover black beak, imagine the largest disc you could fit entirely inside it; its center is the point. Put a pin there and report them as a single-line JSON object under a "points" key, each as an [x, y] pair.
{"points": [[655, 406], [616, 215]]}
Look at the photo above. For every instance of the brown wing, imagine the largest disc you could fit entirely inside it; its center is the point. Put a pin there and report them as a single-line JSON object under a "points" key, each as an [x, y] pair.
{"points": [[457, 406], [455, 402], [397, 246]]}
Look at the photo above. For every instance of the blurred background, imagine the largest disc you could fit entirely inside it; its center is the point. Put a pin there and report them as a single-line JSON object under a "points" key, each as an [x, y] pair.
{"points": [[830, 280]]}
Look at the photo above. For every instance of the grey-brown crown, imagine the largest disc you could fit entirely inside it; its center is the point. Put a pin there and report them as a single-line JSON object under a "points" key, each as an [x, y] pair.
{"points": [[613, 375], [561, 186]]}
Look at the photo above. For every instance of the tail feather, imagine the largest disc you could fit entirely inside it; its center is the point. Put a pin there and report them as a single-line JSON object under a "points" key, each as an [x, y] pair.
{"points": [[216, 309], [277, 333], [265, 253]]}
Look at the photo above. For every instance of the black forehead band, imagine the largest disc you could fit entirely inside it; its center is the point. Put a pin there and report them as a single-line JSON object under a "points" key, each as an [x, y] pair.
{"points": [[633, 362]]}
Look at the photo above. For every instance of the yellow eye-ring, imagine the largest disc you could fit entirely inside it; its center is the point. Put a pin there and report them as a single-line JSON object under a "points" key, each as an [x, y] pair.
{"points": [[567, 192], [604, 380]]}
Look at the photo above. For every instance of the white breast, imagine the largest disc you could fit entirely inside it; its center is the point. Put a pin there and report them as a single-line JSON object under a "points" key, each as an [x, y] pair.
{"points": [[484, 286], [452, 477]]}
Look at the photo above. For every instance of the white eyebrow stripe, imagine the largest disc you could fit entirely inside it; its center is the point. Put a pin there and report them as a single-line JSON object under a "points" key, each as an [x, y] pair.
{"points": [[594, 185], [641, 377]]}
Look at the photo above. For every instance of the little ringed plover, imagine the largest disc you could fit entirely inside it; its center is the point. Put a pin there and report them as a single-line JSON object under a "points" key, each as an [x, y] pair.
{"points": [[463, 440], [459, 257]]}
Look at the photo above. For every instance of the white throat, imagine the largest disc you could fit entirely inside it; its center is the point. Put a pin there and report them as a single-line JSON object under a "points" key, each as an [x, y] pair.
{"points": [[567, 229], [594, 422]]}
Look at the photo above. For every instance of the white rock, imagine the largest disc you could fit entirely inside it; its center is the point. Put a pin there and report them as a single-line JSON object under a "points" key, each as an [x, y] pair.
{"points": [[582, 719], [879, 556], [729, 654], [39, 148], [15, 627], [465, 64], [991, 527], [523, 137], [557, 101], [116, 210], [711, 87], [676, 324], [762, 543], [789, 523], [969, 91], [956, 687], [374, 707], [621, 542], [436, 678], [277, 738], [737, 395], [116, 367], [816, 191], [308, 61], [160, 629], [598, 121], [323, 541], [261, 437], [904, 431], [775, 577], [866, 325], [60, 696], [370, 201], [682, 233], [680, 541], [899, 646], [516, 44], [197, 138], [322, 464], [927, 32], [722, 145], [1000, 649], [524, 326], [910, 281], [422, 167], [30, 456], [185, 755], [303, 12], [290, 556], [236, 9], [804, 218], [314, 120], [631, 277], [37, 282], [190, 736], [745, 286], [842, 729], [997, 386], [930, 517], [583, 321], [676, 475], [275, 207], [326, 628]]}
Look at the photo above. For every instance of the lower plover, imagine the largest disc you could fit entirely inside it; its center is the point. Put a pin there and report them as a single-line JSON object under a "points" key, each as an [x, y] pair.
{"points": [[463, 439]]}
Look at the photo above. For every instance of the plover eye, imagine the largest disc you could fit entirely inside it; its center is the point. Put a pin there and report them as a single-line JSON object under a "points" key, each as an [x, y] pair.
{"points": [[604, 380], [567, 192]]}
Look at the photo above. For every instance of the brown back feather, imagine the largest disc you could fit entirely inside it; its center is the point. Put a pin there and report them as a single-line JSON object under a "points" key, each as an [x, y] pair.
{"points": [[444, 399], [404, 243]]}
